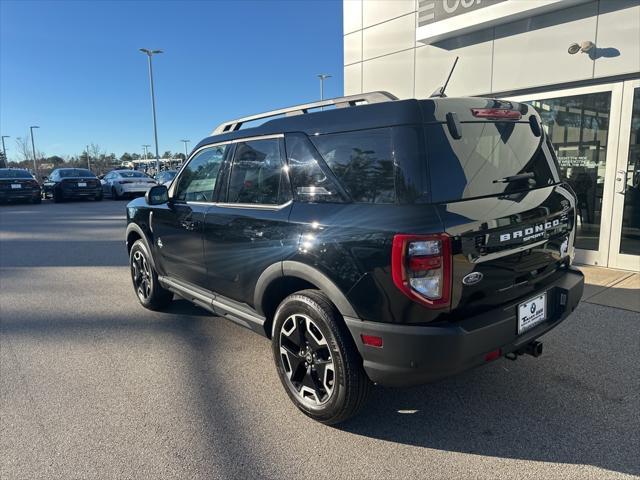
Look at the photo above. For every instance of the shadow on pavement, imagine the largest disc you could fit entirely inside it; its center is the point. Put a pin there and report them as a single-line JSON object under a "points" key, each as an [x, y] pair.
{"points": [[527, 409], [571, 407], [226, 435]]}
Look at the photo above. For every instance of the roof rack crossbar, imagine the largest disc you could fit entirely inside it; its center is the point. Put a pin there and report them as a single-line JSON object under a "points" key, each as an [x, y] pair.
{"points": [[339, 102]]}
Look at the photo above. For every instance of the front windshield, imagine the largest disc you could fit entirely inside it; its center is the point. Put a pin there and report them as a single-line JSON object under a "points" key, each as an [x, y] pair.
{"points": [[75, 172]]}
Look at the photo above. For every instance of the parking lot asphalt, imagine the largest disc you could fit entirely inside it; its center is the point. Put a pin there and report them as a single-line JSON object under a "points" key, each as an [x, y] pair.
{"points": [[94, 386]]}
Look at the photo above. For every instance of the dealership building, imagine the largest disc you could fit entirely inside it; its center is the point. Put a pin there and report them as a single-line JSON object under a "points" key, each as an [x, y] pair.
{"points": [[576, 61]]}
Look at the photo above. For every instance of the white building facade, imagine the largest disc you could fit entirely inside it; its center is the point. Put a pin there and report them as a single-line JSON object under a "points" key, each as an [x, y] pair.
{"points": [[576, 61]]}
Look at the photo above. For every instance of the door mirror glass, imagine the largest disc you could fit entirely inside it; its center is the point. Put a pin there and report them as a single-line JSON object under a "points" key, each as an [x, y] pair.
{"points": [[157, 195]]}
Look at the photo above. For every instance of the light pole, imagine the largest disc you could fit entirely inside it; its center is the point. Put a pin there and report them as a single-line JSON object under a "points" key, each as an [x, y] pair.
{"points": [[186, 153], [146, 152], [4, 151], [322, 77], [149, 54], [88, 161], [33, 146]]}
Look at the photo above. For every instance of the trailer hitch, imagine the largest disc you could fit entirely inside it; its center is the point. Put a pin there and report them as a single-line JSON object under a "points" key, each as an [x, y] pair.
{"points": [[533, 348]]}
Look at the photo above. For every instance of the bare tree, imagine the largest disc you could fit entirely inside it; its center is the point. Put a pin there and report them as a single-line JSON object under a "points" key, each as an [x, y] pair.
{"points": [[24, 149], [98, 158]]}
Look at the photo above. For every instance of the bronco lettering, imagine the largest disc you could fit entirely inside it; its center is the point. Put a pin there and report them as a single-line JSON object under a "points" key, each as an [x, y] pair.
{"points": [[528, 232]]}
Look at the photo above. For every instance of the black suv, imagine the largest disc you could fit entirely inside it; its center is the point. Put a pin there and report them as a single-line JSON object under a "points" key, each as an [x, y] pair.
{"points": [[378, 241]]}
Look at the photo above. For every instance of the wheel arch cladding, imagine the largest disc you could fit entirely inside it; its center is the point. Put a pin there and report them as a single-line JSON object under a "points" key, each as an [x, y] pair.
{"points": [[135, 233], [282, 279]]}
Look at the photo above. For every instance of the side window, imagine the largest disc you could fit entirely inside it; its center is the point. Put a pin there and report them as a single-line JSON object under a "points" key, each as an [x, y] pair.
{"points": [[258, 175], [310, 182], [363, 163], [198, 179]]}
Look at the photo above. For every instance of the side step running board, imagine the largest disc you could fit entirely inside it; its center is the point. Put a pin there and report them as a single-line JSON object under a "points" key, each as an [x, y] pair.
{"points": [[238, 313]]}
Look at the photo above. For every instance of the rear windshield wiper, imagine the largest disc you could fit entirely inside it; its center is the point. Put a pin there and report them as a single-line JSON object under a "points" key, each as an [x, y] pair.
{"points": [[515, 178]]}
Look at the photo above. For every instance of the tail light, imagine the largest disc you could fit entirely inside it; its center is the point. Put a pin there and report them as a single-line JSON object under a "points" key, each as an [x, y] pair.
{"points": [[421, 268], [496, 113]]}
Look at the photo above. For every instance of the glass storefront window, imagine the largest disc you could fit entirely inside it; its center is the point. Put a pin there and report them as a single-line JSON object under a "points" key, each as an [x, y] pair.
{"points": [[579, 127], [630, 235]]}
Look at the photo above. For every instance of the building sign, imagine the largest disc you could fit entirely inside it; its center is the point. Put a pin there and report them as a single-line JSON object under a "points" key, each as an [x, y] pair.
{"points": [[430, 11], [442, 19]]}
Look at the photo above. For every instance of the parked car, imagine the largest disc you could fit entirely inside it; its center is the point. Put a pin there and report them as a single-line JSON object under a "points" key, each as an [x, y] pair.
{"points": [[17, 184], [166, 177], [388, 241], [126, 183], [67, 183]]}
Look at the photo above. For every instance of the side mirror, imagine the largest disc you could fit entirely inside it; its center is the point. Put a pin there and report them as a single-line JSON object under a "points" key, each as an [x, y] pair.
{"points": [[157, 195], [100, 177], [45, 178]]}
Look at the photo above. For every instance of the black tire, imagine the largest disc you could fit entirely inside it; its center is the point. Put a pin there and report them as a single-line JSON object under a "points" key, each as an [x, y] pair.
{"points": [[350, 386], [114, 194], [145, 279], [57, 196]]}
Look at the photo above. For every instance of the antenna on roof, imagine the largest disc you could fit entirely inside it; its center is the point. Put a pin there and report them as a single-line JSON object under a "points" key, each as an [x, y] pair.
{"points": [[440, 92]]}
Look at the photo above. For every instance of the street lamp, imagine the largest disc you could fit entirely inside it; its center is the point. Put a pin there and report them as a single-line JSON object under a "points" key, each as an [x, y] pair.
{"points": [[149, 54], [322, 77], [186, 153], [4, 151], [146, 152], [33, 146]]}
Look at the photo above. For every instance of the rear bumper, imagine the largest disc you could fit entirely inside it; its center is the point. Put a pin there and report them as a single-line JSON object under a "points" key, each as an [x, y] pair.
{"points": [[413, 355], [19, 194], [82, 192], [135, 189]]}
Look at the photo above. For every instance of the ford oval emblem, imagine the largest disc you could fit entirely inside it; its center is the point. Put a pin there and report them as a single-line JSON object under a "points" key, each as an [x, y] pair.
{"points": [[472, 278]]}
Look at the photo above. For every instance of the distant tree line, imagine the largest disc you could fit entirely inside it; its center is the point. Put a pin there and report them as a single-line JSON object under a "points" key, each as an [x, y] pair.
{"points": [[94, 158]]}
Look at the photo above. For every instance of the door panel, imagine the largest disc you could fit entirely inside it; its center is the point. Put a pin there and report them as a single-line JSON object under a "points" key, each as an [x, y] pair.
{"points": [[246, 233], [177, 229], [178, 225], [240, 243], [625, 232], [583, 125]]}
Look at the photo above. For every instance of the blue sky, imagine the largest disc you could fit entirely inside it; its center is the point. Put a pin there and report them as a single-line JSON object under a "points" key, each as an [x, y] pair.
{"points": [[74, 69]]}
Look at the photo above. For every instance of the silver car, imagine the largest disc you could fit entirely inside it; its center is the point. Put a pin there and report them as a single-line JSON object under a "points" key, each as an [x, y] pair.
{"points": [[126, 183], [166, 177]]}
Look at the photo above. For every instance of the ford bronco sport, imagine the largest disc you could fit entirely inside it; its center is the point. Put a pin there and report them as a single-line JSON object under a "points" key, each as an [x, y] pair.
{"points": [[378, 240]]}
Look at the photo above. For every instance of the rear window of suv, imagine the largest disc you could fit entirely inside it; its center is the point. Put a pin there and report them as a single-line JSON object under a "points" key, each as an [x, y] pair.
{"points": [[362, 161], [477, 164]]}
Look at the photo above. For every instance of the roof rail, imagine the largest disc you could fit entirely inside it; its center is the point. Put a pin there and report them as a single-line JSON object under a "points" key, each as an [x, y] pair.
{"points": [[339, 102]]}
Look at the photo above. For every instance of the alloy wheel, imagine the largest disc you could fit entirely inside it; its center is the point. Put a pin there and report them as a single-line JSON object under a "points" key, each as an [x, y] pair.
{"points": [[306, 360], [141, 275]]}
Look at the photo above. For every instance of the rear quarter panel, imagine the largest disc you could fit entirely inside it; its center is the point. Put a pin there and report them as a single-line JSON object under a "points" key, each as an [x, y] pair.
{"points": [[351, 245]]}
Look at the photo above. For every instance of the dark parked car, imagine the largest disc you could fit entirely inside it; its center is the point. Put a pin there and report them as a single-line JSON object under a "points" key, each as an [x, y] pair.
{"points": [[67, 183], [18, 185], [384, 241]]}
